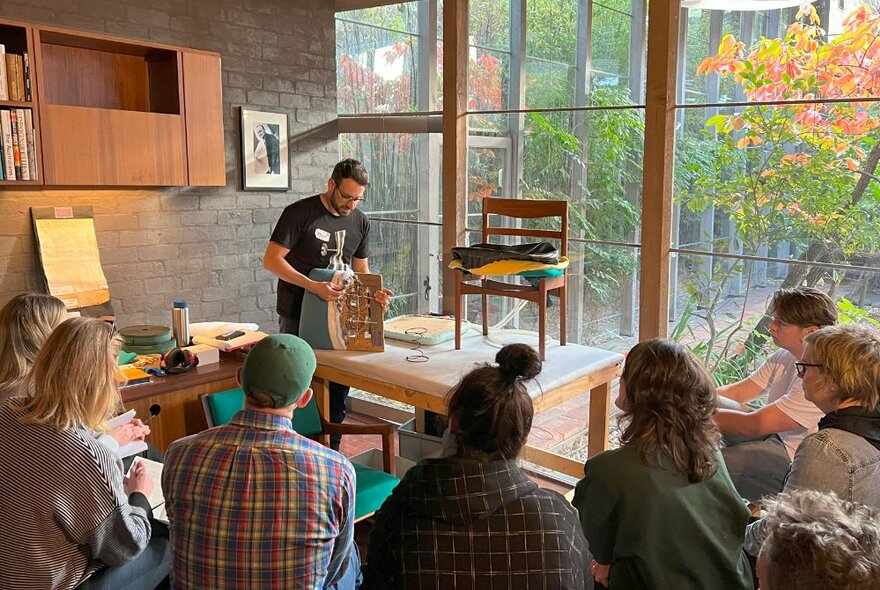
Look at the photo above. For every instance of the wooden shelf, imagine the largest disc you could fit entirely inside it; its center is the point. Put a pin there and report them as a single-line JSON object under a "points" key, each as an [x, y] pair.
{"points": [[114, 112]]}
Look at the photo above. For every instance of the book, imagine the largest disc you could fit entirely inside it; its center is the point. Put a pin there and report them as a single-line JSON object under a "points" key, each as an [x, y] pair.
{"points": [[23, 145], [156, 497], [26, 71], [11, 78], [8, 156], [31, 141], [129, 375], [4, 88], [19, 73], [16, 148]]}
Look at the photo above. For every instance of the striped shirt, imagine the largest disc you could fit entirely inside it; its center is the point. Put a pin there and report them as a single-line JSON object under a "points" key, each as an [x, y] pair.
{"points": [[253, 504], [63, 511]]}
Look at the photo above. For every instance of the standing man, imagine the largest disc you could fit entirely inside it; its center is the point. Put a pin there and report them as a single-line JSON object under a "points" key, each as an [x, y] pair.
{"points": [[324, 231], [761, 443], [253, 504]]}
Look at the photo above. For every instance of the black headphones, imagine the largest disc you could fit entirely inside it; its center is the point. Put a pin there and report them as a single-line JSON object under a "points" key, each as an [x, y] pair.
{"points": [[178, 360]]}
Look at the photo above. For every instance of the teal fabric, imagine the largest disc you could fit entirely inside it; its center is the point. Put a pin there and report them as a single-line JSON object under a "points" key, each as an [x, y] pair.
{"points": [[313, 320], [372, 486], [537, 274], [225, 404], [307, 420]]}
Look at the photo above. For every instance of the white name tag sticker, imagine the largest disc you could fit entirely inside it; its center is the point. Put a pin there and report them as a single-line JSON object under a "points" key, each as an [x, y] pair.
{"points": [[322, 235]]}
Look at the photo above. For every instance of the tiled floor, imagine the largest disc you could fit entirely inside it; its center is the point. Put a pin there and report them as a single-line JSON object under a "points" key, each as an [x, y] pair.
{"points": [[353, 445]]}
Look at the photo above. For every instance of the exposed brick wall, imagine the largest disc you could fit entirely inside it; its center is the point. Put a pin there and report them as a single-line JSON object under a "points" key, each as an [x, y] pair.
{"points": [[201, 244]]}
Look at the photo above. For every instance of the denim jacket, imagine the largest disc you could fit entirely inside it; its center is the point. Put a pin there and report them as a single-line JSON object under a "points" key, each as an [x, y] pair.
{"points": [[832, 460]]}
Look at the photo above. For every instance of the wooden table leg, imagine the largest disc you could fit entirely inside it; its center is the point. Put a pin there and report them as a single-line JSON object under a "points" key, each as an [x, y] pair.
{"points": [[419, 415], [600, 404], [321, 391]]}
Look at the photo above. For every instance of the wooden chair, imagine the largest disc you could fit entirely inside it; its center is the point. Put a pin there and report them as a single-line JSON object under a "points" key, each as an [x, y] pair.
{"points": [[372, 486], [518, 209]]}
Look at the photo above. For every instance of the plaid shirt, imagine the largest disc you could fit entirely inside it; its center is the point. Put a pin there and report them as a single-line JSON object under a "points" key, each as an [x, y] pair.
{"points": [[466, 525], [255, 505]]}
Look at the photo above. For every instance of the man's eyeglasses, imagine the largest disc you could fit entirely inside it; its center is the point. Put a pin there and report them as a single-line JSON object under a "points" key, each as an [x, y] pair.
{"points": [[349, 198], [801, 368]]}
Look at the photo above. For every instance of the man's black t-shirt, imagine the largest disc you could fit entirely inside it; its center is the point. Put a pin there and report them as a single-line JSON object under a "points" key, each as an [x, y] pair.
{"points": [[312, 234]]}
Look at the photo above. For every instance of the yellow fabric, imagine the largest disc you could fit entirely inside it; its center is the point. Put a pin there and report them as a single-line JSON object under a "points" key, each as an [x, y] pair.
{"points": [[510, 267], [72, 262]]}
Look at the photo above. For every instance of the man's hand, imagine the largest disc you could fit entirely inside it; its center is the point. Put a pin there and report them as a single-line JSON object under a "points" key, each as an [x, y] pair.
{"points": [[383, 297], [327, 291]]}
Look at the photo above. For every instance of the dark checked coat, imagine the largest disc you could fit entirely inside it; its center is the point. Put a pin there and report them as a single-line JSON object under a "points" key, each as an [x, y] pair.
{"points": [[465, 524]]}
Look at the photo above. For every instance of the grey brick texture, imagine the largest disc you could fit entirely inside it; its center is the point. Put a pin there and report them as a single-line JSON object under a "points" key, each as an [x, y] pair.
{"points": [[204, 245]]}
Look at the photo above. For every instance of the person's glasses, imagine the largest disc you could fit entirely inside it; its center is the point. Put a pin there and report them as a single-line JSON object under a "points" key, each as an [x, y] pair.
{"points": [[349, 198], [801, 368]]}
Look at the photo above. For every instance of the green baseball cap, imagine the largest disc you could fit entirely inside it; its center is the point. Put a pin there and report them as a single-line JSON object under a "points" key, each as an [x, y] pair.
{"points": [[278, 370]]}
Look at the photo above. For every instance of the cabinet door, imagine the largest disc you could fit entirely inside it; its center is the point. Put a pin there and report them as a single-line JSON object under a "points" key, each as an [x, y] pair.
{"points": [[203, 109], [93, 146]]}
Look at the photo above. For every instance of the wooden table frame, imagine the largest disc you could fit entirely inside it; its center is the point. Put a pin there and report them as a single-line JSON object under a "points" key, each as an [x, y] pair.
{"points": [[597, 382]]}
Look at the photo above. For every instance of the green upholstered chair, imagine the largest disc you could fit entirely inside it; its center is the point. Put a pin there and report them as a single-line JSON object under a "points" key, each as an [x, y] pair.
{"points": [[372, 485]]}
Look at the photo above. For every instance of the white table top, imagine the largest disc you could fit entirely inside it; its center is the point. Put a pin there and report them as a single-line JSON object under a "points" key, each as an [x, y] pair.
{"points": [[446, 366]]}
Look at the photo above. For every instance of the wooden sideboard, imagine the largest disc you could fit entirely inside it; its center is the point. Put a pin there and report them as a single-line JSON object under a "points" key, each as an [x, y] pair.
{"points": [[178, 396]]}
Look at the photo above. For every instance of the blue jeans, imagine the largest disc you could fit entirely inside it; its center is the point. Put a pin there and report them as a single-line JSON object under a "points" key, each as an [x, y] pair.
{"points": [[757, 465], [144, 572], [338, 391]]}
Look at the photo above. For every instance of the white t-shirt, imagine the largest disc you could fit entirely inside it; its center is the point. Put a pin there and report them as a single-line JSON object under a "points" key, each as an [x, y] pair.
{"points": [[778, 378]]}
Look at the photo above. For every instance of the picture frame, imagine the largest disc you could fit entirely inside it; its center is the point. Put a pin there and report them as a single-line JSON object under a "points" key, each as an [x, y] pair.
{"points": [[265, 160]]}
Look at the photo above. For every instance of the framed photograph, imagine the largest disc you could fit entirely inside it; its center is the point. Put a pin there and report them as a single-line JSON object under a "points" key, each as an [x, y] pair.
{"points": [[265, 165]]}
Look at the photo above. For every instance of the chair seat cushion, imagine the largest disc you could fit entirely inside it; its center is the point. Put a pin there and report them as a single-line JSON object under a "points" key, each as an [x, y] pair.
{"points": [[373, 486], [513, 267]]}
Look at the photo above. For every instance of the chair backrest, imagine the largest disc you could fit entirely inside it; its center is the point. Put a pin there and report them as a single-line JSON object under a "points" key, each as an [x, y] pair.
{"points": [[526, 209], [221, 407]]}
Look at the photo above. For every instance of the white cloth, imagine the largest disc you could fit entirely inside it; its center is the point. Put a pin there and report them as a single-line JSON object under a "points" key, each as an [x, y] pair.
{"points": [[446, 366], [778, 378]]}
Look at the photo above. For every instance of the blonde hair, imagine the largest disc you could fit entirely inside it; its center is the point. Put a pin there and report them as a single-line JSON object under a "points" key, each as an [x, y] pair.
{"points": [[850, 356], [73, 381], [25, 323]]}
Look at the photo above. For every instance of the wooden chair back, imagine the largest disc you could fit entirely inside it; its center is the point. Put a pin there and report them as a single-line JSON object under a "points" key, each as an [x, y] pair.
{"points": [[526, 209]]}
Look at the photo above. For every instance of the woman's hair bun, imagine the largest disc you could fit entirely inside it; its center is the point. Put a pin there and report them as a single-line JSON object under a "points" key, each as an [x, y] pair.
{"points": [[518, 360]]}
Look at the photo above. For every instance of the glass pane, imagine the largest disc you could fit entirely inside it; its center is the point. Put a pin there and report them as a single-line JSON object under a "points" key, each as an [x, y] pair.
{"points": [[376, 52], [488, 79], [718, 307], [549, 84], [489, 24], [404, 188], [610, 40], [696, 47], [789, 179]]}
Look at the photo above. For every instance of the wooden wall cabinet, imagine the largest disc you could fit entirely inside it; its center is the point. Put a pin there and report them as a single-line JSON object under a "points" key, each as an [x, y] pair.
{"points": [[117, 112]]}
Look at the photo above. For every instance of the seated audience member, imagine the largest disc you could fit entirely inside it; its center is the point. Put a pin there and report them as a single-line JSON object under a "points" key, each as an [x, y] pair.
{"points": [[474, 520], [761, 443], [70, 518], [253, 504], [816, 542], [26, 321], [661, 511], [840, 370]]}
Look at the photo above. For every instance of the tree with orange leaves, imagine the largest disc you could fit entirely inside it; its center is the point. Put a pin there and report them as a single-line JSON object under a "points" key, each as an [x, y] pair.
{"points": [[802, 171]]}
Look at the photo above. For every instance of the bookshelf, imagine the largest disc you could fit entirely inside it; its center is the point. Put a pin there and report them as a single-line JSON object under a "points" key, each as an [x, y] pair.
{"points": [[120, 112], [18, 39]]}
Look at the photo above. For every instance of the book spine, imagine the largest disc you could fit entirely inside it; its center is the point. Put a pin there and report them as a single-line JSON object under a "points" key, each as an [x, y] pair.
{"points": [[32, 146], [28, 93], [10, 76], [19, 71], [23, 145], [4, 87], [16, 148], [8, 156]]}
